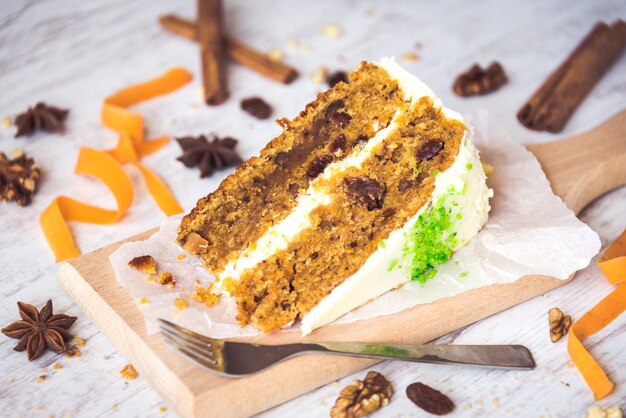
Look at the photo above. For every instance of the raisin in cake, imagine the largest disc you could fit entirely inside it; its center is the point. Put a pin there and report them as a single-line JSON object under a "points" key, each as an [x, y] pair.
{"points": [[374, 184]]}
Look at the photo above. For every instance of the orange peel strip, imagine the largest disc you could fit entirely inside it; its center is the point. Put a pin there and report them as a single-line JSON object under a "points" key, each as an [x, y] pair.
{"points": [[613, 265], [106, 165], [53, 220]]}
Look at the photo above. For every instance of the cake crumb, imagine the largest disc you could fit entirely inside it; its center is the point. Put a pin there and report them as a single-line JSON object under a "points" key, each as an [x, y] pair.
{"points": [[275, 54], [205, 296], [332, 30], [180, 304], [162, 409], [181, 257], [7, 121], [79, 341], [293, 43], [41, 378], [73, 351], [410, 57], [144, 264], [113, 405], [144, 300], [495, 403], [166, 279], [128, 372], [319, 75], [57, 366], [604, 412], [150, 278]]}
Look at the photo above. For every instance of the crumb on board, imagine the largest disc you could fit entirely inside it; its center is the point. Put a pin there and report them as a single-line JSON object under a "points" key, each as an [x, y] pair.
{"points": [[144, 300], [73, 351], [181, 257], [409, 57], [79, 341], [41, 378], [332, 30], [144, 264], [205, 296], [57, 366], [128, 372], [180, 304], [166, 279], [275, 54], [162, 409]]}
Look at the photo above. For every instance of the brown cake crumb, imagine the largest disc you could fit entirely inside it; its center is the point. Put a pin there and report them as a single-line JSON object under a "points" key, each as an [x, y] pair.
{"points": [[41, 378], [205, 296], [180, 304], [166, 279], [128, 372], [477, 80], [19, 177], [361, 398], [257, 107], [57, 366], [73, 351], [144, 264], [559, 324], [79, 341]]}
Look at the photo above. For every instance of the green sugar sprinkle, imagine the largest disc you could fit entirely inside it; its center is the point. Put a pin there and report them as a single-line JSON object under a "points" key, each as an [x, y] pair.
{"points": [[392, 264], [459, 216], [381, 244], [463, 274], [429, 242], [469, 166], [434, 172], [416, 170]]}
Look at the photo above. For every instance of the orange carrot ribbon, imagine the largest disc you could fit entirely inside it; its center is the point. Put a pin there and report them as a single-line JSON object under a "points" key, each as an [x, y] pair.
{"points": [[106, 166], [613, 265]]}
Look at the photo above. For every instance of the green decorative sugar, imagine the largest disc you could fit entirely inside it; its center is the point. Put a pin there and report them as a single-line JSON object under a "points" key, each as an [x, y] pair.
{"points": [[429, 242], [469, 166]]}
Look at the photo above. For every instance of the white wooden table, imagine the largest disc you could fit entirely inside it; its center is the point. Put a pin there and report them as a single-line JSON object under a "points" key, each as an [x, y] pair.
{"points": [[74, 53]]}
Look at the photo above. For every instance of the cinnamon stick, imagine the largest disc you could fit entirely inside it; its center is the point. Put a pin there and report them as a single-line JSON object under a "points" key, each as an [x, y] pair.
{"points": [[209, 34], [552, 105], [235, 50]]}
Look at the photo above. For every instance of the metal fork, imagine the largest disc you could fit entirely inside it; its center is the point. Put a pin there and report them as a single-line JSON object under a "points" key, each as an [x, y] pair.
{"points": [[235, 359]]}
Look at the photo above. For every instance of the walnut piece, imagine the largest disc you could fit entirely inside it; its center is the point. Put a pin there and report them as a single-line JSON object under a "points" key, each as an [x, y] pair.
{"points": [[128, 372], [559, 324], [144, 263], [18, 178], [361, 398], [477, 80], [195, 244]]}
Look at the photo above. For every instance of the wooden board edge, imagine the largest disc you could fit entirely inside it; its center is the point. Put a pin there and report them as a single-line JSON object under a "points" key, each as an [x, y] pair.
{"points": [[127, 341]]}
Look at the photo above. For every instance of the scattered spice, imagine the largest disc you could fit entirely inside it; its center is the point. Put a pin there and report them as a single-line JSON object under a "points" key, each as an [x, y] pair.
{"points": [[162, 409], [41, 116], [128, 372], [275, 55], [41, 378], [57, 366], [181, 257], [429, 399], [79, 341], [144, 264], [73, 351], [477, 80], [257, 107], [559, 324], [38, 330], [360, 398], [604, 412], [166, 279], [144, 300], [336, 77], [19, 177], [208, 154], [332, 30]]}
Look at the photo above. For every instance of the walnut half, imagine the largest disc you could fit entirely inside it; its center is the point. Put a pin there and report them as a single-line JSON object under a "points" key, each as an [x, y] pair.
{"points": [[361, 398], [559, 324]]}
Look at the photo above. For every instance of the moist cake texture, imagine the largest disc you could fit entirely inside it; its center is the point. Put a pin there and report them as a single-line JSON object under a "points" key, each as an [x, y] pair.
{"points": [[373, 185]]}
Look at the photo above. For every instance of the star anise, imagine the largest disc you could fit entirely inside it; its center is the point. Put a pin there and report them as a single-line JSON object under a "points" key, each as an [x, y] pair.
{"points": [[208, 154], [39, 329], [41, 116]]}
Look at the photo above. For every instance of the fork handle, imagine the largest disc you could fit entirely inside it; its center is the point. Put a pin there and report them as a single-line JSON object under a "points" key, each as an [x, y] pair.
{"points": [[501, 356]]}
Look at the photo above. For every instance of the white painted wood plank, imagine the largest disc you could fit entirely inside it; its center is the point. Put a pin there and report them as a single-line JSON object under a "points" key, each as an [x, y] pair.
{"points": [[74, 53]]}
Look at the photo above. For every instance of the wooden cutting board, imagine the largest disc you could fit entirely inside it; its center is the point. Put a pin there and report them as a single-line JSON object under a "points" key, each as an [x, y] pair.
{"points": [[579, 168]]}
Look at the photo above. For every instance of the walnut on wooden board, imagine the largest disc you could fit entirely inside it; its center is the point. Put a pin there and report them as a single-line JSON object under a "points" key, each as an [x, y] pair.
{"points": [[559, 324], [360, 398]]}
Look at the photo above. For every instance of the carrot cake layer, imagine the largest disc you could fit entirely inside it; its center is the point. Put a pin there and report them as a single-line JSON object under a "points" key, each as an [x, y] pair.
{"points": [[379, 211]]}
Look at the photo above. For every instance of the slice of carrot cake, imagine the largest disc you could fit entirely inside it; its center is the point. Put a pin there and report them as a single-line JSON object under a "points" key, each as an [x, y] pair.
{"points": [[373, 185]]}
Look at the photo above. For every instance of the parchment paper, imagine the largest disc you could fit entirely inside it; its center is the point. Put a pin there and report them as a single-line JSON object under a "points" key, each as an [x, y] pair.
{"points": [[530, 231]]}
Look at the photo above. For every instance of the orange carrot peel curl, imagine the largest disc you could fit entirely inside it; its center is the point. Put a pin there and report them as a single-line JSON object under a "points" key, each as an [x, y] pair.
{"points": [[106, 166], [613, 265]]}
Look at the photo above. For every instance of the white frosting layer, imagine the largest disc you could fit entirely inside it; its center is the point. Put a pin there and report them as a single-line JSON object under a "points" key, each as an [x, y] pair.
{"points": [[463, 190]]}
